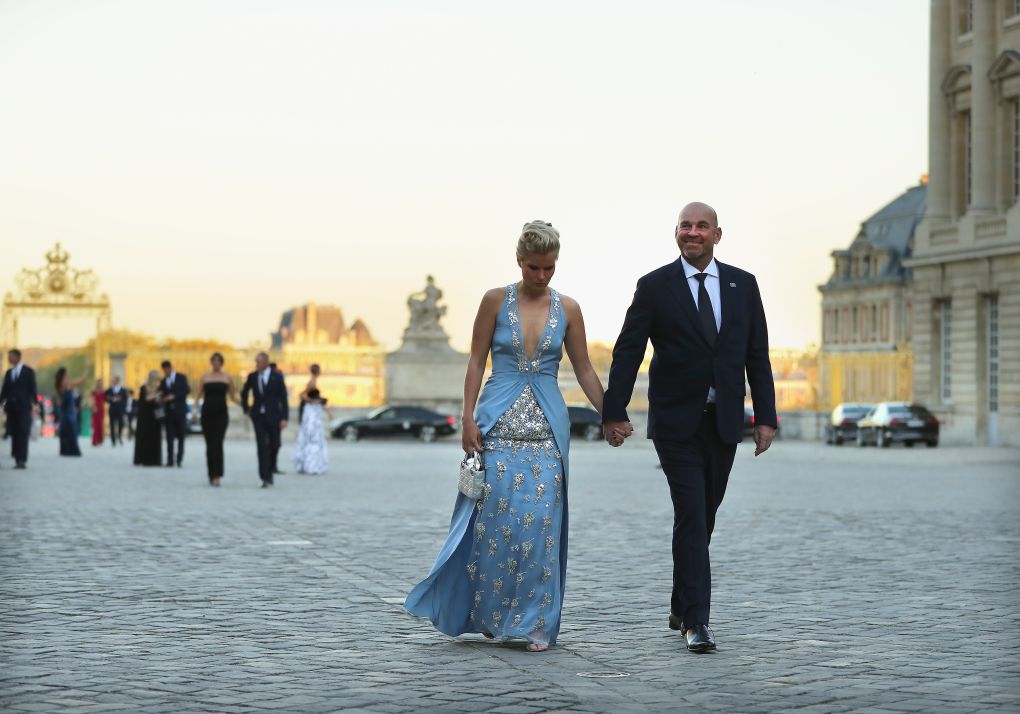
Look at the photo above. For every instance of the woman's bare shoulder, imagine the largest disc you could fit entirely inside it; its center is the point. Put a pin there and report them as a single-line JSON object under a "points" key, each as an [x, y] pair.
{"points": [[570, 304], [492, 298]]}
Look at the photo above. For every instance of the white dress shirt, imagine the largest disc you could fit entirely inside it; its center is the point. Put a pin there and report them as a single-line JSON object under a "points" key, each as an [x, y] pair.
{"points": [[714, 294], [263, 381]]}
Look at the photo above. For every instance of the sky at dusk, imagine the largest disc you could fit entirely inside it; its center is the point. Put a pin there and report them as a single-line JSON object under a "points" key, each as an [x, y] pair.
{"points": [[219, 161]]}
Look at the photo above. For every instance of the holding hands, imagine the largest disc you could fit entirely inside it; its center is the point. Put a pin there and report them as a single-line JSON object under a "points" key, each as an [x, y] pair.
{"points": [[617, 431]]}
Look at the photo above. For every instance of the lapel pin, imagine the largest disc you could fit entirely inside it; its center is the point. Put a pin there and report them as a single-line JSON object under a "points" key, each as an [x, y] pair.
{"points": [[733, 285]]}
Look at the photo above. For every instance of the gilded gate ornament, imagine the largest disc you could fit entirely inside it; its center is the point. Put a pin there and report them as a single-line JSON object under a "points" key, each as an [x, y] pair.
{"points": [[57, 282], [57, 290]]}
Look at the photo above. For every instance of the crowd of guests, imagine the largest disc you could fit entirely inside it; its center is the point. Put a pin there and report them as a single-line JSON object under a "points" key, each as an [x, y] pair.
{"points": [[161, 411]]}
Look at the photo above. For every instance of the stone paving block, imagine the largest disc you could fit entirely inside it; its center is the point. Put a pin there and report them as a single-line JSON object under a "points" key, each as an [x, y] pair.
{"points": [[845, 580]]}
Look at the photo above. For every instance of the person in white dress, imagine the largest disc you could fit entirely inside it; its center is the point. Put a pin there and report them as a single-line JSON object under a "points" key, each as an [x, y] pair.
{"points": [[310, 454]]}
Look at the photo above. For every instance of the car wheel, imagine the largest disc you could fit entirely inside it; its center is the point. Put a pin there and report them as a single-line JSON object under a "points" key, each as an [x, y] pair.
{"points": [[908, 444], [932, 444], [837, 440], [592, 432], [350, 434], [427, 434], [882, 439]]}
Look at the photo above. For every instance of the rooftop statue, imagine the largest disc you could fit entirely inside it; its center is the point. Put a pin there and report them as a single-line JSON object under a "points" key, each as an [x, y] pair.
{"points": [[426, 310]]}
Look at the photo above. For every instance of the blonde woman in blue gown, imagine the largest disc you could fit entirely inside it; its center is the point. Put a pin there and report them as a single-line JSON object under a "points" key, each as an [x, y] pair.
{"points": [[501, 570]]}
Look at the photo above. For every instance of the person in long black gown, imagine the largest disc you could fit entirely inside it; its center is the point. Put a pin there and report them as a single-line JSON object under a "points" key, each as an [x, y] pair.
{"points": [[148, 431], [68, 401], [214, 387]]}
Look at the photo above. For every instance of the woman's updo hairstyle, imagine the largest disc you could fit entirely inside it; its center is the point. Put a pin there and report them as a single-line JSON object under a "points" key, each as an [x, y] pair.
{"points": [[539, 238]]}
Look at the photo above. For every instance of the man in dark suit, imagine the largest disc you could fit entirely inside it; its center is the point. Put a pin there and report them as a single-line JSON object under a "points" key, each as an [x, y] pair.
{"points": [[116, 405], [276, 448], [707, 326], [18, 395], [174, 390], [269, 413]]}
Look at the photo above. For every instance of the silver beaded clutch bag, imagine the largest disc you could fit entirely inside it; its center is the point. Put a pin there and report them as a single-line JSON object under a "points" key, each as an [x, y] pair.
{"points": [[472, 477]]}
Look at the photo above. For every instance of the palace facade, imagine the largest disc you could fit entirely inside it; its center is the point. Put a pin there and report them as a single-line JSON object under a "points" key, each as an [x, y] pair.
{"points": [[966, 257], [352, 362], [866, 353]]}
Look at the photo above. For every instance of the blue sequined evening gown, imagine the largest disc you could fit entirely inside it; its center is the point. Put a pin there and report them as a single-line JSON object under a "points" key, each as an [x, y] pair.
{"points": [[504, 562]]}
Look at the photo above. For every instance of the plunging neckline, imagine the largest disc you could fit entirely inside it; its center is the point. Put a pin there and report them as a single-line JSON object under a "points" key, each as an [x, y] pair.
{"points": [[524, 334]]}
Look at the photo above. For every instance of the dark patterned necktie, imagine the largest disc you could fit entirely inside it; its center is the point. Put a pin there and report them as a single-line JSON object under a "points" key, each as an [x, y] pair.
{"points": [[705, 313]]}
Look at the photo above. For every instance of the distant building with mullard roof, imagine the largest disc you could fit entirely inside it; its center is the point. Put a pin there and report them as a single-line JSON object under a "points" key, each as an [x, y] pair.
{"points": [[866, 351]]}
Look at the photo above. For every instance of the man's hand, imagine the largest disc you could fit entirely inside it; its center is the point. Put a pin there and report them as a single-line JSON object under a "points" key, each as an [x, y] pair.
{"points": [[616, 431], [283, 424], [763, 435]]}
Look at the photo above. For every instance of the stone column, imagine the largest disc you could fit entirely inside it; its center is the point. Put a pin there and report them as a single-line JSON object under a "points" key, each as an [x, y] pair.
{"points": [[982, 111], [938, 112]]}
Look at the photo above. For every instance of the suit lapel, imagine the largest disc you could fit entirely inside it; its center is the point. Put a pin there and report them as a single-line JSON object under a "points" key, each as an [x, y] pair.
{"points": [[729, 288], [682, 292]]}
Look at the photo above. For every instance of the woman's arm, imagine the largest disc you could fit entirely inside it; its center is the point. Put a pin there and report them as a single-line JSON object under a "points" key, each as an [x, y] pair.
{"points": [[576, 344], [198, 396], [481, 343], [303, 396], [232, 391]]}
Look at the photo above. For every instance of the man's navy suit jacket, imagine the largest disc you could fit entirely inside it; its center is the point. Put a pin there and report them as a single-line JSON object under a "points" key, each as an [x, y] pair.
{"points": [[684, 364]]}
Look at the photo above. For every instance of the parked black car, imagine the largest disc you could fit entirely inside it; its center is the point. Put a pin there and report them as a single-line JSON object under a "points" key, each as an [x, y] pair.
{"points": [[418, 422], [898, 421], [842, 424], [749, 421], [585, 422]]}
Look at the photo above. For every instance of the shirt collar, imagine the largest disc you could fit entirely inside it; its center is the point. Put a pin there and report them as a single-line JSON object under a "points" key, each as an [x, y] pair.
{"points": [[266, 372], [690, 271]]}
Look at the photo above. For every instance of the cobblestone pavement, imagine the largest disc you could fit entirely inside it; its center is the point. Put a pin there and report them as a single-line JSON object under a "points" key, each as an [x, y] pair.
{"points": [[845, 580]]}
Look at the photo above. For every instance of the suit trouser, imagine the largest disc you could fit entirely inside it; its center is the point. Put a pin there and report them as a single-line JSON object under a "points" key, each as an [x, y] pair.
{"points": [[697, 469], [19, 427], [116, 428], [176, 429], [267, 442]]}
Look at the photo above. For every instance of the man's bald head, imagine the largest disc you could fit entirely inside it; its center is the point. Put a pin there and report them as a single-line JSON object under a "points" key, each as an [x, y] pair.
{"points": [[700, 209], [697, 233]]}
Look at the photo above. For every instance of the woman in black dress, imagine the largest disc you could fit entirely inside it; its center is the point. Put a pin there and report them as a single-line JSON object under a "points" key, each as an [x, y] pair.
{"points": [[67, 407], [214, 388], [148, 434]]}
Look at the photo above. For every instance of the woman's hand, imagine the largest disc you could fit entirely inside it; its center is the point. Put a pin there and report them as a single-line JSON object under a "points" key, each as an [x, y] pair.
{"points": [[470, 436]]}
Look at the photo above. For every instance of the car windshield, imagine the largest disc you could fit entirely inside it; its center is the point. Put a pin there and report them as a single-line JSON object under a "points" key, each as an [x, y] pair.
{"points": [[377, 411]]}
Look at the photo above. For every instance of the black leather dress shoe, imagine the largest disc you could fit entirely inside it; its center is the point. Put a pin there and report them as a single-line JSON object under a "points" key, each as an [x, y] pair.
{"points": [[700, 639], [19, 465], [675, 623]]}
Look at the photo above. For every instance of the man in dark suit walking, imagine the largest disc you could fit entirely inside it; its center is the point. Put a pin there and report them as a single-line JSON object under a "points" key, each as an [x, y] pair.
{"points": [[174, 390], [269, 413], [18, 395], [707, 326], [276, 447], [116, 406]]}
